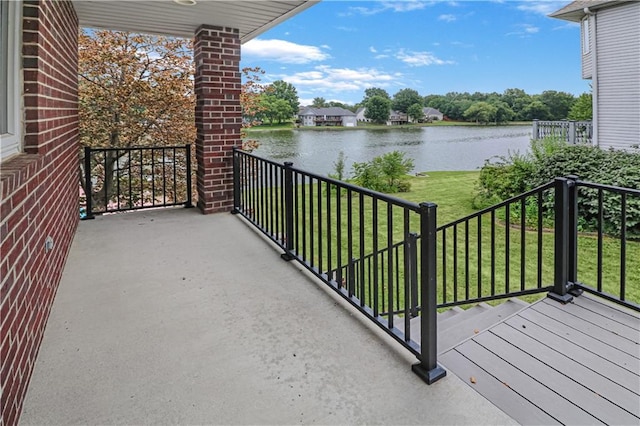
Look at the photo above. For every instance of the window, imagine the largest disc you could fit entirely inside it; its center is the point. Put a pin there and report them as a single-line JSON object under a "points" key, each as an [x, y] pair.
{"points": [[585, 35], [10, 78]]}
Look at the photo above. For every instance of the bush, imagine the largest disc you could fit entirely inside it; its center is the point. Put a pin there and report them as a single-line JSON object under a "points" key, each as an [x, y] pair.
{"points": [[385, 173], [515, 174]]}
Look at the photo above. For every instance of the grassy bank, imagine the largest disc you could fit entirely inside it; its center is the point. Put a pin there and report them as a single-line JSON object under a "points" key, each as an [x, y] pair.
{"points": [[369, 126]]}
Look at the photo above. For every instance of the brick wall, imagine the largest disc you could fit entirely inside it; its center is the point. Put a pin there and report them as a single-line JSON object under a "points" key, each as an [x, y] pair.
{"points": [[218, 114], [38, 194]]}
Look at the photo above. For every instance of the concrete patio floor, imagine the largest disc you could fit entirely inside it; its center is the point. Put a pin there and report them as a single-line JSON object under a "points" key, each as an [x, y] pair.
{"points": [[172, 317]]}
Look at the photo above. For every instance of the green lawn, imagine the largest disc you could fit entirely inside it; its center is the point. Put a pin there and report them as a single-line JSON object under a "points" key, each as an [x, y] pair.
{"points": [[495, 258]]}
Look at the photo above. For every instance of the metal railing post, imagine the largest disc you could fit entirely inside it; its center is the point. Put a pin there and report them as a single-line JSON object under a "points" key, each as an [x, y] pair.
{"points": [[536, 129], [189, 203], [572, 255], [428, 368], [562, 232], [412, 257], [236, 181], [572, 132], [288, 211], [89, 185], [351, 277]]}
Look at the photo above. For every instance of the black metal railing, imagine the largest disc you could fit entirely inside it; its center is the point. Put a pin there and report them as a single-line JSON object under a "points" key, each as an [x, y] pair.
{"points": [[490, 254], [388, 259], [120, 179], [609, 218], [361, 243]]}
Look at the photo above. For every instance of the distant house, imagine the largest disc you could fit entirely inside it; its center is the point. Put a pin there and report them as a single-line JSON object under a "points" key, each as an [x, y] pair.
{"points": [[610, 40], [332, 116], [432, 114], [360, 115], [397, 117]]}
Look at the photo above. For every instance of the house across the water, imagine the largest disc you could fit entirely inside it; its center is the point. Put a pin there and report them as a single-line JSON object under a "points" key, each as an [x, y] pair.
{"points": [[332, 116]]}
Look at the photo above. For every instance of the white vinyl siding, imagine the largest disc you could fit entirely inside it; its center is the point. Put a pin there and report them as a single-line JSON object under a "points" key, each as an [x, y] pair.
{"points": [[618, 44], [586, 40], [10, 78]]}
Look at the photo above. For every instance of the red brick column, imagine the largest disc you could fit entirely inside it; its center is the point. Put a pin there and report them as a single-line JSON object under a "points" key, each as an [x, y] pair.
{"points": [[218, 114]]}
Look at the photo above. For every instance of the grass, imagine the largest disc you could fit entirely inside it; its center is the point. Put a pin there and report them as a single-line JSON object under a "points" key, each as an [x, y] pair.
{"points": [[495, 258]]}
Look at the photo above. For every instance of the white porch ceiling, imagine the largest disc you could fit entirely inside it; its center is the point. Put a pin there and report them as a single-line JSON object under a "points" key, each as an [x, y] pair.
{"points": [[165, 17]]}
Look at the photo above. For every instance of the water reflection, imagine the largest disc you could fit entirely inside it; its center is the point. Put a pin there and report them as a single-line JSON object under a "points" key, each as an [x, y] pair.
{"points": [[432, 148]]}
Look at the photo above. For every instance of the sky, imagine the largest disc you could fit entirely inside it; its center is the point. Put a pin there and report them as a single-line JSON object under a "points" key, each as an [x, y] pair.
{"points": [[337, 49]]}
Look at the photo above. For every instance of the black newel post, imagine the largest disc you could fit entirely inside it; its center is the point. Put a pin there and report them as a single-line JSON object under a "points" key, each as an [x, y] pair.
{"points": [[88, 184], [562, 246], [288, 211], [236, 181], [428, 368], [189, 203]]}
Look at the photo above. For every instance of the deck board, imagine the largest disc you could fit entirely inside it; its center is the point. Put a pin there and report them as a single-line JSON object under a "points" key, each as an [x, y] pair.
{"points": [[574, 364], [607, 309], [598, 319], [580, 354], [554, 359], [520, 408], [554, 405]]}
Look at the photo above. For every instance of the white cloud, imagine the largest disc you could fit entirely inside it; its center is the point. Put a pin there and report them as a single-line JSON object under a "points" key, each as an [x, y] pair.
{"points": [[325, 79], [542, 7], [381, 56], [447, 18], [283, 51], [347, 29], [372, 49], [394, 6], [420, 59], [525, 30]]}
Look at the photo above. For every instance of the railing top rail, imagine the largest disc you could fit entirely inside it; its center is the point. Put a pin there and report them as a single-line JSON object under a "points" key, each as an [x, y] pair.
{"points": [[608, 187], [499, 205], [136, 148], [345, 185]]}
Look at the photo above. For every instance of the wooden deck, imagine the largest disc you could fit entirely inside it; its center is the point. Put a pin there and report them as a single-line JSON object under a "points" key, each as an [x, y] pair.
{"points": [[551, 363]]}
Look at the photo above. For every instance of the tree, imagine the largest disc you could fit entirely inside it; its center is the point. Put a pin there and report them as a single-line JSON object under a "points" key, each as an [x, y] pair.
{"points": [[518, 100], [133, 90], [558, 103], [405, 98], [504, 112], [319, 103], [286, 91], [250, 100], [275, 109], [415, 112], [582, 109], [481, 112], [536, 110], [378, 109], [374, 91]]}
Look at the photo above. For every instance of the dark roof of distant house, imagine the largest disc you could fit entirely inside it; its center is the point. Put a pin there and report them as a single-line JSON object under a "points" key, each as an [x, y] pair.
{"points": [[574, 11], [334, 111], [430, 111]]}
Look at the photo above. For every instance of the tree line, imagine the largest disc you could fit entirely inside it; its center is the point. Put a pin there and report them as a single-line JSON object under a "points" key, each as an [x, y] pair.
{"points": [[280, 102]]}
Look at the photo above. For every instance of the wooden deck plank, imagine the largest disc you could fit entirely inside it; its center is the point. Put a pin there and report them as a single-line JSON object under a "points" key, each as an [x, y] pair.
{"points": [[597, 318], [512, 403], [555, 358], [553, 404], [616, 313], [598, 407], [623, 359], [580, 354], [555, 310]]}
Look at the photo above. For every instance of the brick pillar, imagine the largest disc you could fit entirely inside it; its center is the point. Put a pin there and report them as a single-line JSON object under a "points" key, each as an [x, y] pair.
{"points": [[218, 114]]}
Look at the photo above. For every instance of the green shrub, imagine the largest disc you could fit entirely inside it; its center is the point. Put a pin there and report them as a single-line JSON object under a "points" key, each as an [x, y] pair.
{"points": [[385, 173], [516, 173]]}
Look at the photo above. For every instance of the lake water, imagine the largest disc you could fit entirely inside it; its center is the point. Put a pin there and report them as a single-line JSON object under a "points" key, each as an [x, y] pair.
{"points": [[431, 148]]}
